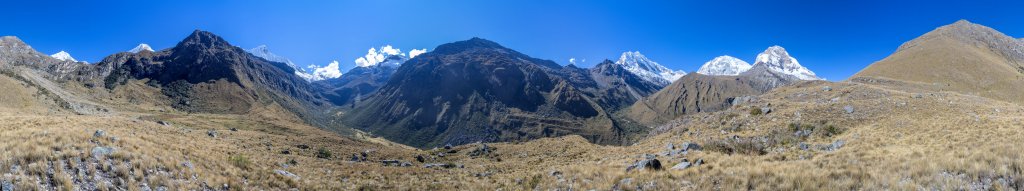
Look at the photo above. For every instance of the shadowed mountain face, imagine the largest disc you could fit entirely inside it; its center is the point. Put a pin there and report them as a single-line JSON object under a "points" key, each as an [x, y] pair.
{"points": [[703, 93], [357, 84], [691, 94], [477, 90], [963, 57], [204, 73]]}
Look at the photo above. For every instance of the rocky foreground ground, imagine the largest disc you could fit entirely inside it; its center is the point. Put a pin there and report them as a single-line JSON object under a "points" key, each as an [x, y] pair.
{"points": [[868, 134]]}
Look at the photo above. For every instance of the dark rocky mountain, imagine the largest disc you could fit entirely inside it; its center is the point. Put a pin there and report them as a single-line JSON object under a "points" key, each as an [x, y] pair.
{"points": [[360, 82], [477, 90], [617, 87], [202, 73]]}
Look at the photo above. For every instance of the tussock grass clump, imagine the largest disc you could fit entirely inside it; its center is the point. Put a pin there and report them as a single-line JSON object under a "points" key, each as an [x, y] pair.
{"points": [[755, 111], [240, 161], [738, 145], [323, 153]]}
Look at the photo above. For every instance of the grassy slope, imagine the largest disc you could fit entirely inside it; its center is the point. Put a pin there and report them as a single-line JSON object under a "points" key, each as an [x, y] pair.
{"points": [[943, 140]]}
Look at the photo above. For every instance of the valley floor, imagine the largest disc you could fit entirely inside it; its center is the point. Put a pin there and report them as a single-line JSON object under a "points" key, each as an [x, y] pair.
{"points": [[811, 136]]}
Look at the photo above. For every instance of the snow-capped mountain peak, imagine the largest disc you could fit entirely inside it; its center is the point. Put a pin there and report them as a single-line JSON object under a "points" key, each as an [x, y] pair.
{"points": [[724, 66], [63, 56], [140, 48], [263, 51], [647, 69], [777, 59]]}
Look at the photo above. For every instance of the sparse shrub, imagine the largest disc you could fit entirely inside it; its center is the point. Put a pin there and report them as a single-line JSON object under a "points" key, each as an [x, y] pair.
{"points": [[323, 153], [832, 130], [755, 111], [240, 161], [730, 146]]}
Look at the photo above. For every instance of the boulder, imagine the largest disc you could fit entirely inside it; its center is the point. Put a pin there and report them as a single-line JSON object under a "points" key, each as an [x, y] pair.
{"points": [[391, 162], [687, 146], [848, 109], [212, 133], [419, 158], [804, 146], [287, 174], [481, 150], [439, 165], [164, 123], [6, 185], [682, 165], [99, 133], [102, 151], [648, 163], [826, 88]]}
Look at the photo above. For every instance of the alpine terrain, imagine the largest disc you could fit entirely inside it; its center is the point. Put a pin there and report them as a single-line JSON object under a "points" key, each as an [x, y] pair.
{"points": [[942, 112]]}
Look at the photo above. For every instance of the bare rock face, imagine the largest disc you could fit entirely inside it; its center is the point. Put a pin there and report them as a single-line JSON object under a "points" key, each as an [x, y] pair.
{"points": [[567, 98], [693, 93]]}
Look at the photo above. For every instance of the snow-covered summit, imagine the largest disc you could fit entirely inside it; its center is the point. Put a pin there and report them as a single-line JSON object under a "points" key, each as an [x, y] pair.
{"points": [[647, 69], [63, 56], [724, 66], [777, 59], [140, 48], [263, 51]]}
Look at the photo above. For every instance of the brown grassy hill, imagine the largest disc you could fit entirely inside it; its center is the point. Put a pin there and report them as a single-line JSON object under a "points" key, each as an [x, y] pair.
{"points": [[693, 93], [891, 140], [963, 57]]}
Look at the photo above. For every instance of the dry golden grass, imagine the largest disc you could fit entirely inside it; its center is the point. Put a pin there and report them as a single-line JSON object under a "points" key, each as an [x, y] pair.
{"points": [[893, 141]]}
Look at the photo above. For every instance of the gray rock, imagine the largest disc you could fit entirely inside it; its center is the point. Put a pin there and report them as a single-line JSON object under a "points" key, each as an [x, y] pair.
{"points": [[848, 108], [419, 158], [164, 123], [6, 185], [826, 88], [670, 147], [687, 146], [439, 165], [212, 133], [648, 163], [804, 146], [682, 165], [481, 150], [99, 133], [391, 162], [287, 174], [188, 164], [102, 151], [766, 110], [832, 147], [918, 95], [405, 164]]}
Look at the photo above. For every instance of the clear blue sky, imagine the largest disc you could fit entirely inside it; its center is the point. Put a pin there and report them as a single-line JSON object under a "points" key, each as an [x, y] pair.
{"points": [[833, 38]]}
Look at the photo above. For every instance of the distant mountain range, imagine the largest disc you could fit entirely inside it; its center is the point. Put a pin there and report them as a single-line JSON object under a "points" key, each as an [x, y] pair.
{"points": [[460, 92]]}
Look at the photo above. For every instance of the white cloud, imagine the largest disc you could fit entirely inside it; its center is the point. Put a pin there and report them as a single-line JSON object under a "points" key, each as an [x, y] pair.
{"points": [[387, 49], [375, 56], [573, 61], [326, 72], [415, 52]]}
